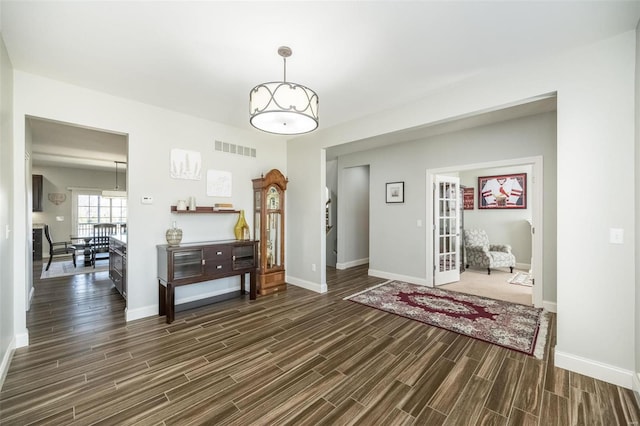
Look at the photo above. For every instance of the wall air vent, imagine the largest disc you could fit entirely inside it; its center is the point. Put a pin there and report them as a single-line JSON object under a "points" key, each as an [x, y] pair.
{"points": [[231, 148]]}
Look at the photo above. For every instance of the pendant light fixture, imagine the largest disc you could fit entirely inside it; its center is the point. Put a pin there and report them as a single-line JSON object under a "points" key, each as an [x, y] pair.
{"points": [[116, 192], [282, 107]]}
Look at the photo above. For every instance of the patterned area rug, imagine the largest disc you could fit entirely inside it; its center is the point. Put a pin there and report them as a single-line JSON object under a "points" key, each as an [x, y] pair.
{"points": [[65, 268], [521, 278], [518, 327]]}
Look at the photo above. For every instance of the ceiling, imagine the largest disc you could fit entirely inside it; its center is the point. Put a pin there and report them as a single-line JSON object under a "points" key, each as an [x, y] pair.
{"points": [[202, 57]]}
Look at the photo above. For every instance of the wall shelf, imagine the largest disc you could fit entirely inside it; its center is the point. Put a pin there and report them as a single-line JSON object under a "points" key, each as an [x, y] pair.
{"points": [[174, 209]]}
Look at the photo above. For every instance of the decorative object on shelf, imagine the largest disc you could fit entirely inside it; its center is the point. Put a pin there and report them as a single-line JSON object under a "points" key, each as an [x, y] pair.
{"points": [[57, 198], [192, 203], [282, 107], [395, 192], [223, 207], [203, 209], [186, 164], [502, 191], [241, 230], [181, 206], [218, 183], [268, 207], [174, 235]]}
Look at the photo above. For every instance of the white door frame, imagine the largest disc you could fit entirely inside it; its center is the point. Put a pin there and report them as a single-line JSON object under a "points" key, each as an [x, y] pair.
{"points": [[536, 216]]}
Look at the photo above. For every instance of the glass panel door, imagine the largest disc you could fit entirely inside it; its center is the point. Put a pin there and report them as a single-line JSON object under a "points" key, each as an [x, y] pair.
{"points": [[447, 230]]}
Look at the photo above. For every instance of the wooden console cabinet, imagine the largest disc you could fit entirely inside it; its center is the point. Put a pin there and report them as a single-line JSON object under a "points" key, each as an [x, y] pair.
{"points": [[192, 263]]}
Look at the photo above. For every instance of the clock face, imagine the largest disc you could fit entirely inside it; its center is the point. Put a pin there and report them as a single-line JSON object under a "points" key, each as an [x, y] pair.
{"points": [[273, 198]]}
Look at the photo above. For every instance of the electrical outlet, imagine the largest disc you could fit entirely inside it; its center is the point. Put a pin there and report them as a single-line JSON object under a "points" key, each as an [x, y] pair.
{"points": [[313, 267]]}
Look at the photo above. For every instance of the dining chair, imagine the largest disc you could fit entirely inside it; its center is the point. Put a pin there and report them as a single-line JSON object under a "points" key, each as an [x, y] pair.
{"points": [[58, 248]]}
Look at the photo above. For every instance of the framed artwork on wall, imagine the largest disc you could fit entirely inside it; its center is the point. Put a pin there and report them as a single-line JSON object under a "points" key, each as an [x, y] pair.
{"points": [[502, 191], [395, 192], [468, 196]]}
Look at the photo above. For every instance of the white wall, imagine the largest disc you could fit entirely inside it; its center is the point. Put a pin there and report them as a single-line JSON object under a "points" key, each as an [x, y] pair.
{"points": [[503, 226], [353, 211], [152, 133], [7, 326], [59, 179], [636, 386], [595, 89]]}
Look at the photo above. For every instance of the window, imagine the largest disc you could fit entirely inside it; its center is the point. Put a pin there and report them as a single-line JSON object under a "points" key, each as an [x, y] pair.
{"points": [[92, 208]]}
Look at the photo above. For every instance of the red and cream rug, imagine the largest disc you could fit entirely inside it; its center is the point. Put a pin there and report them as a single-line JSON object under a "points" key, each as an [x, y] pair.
{"points": [[518, 327]]}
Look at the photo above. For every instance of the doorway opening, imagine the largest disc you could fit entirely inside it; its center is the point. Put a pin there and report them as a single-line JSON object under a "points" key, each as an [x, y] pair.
{"points": [[76, 164], [531, 227]]}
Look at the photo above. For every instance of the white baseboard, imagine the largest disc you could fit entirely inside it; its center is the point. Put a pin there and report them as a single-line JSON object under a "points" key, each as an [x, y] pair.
{"points": [[6, 360], [523, 266], [318, 288], [22, 339], [139, 313], [206, 295], [550, 306], [392, 276], [597, 370], [351, 264], [636, 387]]}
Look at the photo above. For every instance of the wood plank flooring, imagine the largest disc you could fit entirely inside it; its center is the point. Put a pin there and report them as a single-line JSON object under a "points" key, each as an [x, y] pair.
{"points": [[295, 358]]}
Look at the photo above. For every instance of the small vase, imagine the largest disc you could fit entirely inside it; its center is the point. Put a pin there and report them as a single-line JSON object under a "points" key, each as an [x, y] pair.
{"points": [[241, 230], [174, 236]]}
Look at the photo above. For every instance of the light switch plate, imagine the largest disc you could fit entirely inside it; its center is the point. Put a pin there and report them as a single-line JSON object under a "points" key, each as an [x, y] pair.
{"points": [[147, 199], [616, 236]]}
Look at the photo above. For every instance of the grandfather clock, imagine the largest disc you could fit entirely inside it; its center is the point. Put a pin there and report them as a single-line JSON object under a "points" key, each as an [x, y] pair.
{"points": [[268, 208]]}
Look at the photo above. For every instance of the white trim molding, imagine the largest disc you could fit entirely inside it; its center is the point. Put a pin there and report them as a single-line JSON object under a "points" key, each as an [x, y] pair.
{"points": [[598, 370], [6, 361], [139, 313], [352, 263], [392, 276], [298, 282]]}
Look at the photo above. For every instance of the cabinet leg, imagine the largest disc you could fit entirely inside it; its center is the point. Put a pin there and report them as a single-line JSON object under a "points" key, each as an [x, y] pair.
{"points": [[162, 300], [171, 308], [242, 282], [252, 285]]}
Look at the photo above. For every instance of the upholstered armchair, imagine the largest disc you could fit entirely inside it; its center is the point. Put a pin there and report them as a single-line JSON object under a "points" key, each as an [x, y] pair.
{"points": [[480, 253]]}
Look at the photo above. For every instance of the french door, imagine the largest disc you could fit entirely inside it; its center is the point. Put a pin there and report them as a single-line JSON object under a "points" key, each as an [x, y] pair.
{"points": [[447, 233]]}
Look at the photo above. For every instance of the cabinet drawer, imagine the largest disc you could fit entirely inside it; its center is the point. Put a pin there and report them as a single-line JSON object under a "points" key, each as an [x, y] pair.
{"points": [[217, 252], [217, 266]]}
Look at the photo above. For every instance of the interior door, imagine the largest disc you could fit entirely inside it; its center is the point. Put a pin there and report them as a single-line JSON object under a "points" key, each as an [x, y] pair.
{"points": [[447, 233]]}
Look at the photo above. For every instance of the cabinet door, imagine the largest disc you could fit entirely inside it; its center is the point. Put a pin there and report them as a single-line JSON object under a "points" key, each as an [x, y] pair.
{"points": [[244, 256], [37, 188], [187, 264]]}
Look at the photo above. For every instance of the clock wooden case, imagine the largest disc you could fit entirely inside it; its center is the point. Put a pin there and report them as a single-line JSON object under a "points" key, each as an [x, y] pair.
{"points": [[268, 223]]}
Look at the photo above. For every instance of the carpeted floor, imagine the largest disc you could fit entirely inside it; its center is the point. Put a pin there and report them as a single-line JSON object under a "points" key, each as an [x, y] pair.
{"points": [[514, 326], [478, 282], [64, 267]]}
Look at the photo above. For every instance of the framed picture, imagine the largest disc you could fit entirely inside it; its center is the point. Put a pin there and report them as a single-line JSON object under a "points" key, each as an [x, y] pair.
{"points": [[468, 197], [502, 191], [395, 192]]}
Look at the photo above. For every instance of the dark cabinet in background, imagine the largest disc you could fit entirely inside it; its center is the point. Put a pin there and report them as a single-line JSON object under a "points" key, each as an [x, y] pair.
{"points": [[37, 182], [36, 239], [118, 263]]}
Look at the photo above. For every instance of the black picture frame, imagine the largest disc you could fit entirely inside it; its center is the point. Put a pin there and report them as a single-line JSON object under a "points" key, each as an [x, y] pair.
{"points": [[394, 192]]}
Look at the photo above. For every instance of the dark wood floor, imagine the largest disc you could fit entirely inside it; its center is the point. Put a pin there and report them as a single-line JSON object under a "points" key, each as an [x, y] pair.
{"points": [[292, 358]]}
